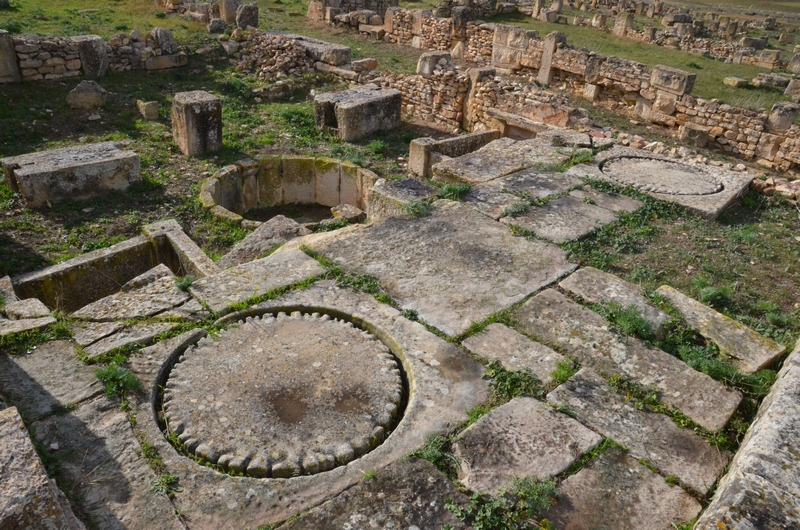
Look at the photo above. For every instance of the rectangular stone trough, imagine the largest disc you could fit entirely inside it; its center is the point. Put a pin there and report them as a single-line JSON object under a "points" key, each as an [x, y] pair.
{"points": [[70, 173]]}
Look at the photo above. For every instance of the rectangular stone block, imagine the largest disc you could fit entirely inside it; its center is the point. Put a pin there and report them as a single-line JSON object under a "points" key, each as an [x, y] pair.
{"points": [[270, 189], [93, 54], [197, 122], [327, 181], [71, 173], [358, 112], [227, 10], [9, 69], [163, 62], [672, 80], [349, 187], [297, 180]]}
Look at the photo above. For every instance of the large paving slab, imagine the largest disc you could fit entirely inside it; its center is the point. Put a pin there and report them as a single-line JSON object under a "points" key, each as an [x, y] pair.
{"points": [[520, 439], [409, 493], [48, 379], [135, 334], [585, 337], [149, 300], [100, 461], [654, 437], [748, 349], [28, 498], [8, 327], [515, 351], [610, 201], [254, 278], [85, 333], [598, 287], [490, 201], [563, 219], [762, 488], [536, 183], [615, 492], [453, 268], [276, 231]]}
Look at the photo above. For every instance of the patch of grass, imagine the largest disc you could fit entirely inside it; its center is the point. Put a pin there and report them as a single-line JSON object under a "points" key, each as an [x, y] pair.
{"points": [[118, 381], [27, 341], [564, 370], [369, 475], [437, 451], [330, 226], [626, 320], [165, 484], [508, 384], [419, 208], [183, 282], [515, 508], [454, 192], [377, 147], [516, 209], [359, 282]]}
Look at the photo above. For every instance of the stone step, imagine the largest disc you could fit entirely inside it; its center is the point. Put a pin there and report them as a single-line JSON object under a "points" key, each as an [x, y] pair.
{"points": [[7, 327], [648, 435], [149, 300], [522, 438], [515, 351], [748, 349], [617, 492], [135, 334], [562, 220], [598, 287], [254, 278], [585, 337]]}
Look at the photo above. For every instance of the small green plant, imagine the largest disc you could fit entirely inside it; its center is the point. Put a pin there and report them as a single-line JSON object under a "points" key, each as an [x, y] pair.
{"points": [[716, 297], [418, 209], [183, 282], [330, 226], [437, 452], [165, 485], [369, 475], [508, 384], [564, 370], [117, 380], [160, 14], [377, 147], [455, 192], [627, 320], [672, 480], [694, 65], [516, 209], [410, 314]]}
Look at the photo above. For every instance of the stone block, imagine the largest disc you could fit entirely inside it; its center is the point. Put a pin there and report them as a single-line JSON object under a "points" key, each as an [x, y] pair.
{"points": [[551, 44], [165, 40], [297, 180], [793, 90], [591, 92], [30, 499], [9, 69], [622, 24], [93, 54], [350, 185], [782, 116], [197, 122], [390, 198], [736, 82], [672, 80], [327, 182], [71, 173], [794, 64], [247, 16], [29, 308], [325, 52], [349, 212], [270, 189], [564, 219], [266, 237], [164, 62], [88, 95], [227, 10], [428, 61], [665, 103], [694, 135], [358, 112], [148, 109]]}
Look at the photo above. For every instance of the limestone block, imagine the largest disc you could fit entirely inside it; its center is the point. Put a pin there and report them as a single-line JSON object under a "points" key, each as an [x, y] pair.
{"points": [[358, 112], [148, 109], [768, 146], [227, 10], [325, 52], [164, 62], [591, 92], [29, 308], [197, 122], [134, 334], [88, 95], [350, 185], [793, 90], [8, 327], [247, 16], [327, 182], [164, 39], [782, 116], [7, 293], [297, 180], [694, 134], [389, 198], [9, 69], [551, 43], [665, 102], [71, 173], [622, 24], [266, 237], [428, 61], [29, 499], [672, 80], [145, 301], [93, 54], [270, 190], [794, 64], [736, 82], [349, 212]]}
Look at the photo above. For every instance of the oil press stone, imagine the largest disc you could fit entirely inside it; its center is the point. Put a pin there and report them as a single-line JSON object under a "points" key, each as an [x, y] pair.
{"points": [[284, 396]]}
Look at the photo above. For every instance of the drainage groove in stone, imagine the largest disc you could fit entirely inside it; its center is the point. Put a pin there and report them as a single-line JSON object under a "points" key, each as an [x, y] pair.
{"points": [[662, 176], [284, 396]]}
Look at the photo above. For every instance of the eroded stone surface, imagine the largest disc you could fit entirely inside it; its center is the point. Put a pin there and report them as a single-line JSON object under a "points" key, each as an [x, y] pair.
{"points": [[254, 278], [99, 455], [409, 493], [647, 435], [520, 439], [515, 351], [270, 234], [585, 337], [598, 287], [490, 201], [151, 299], [29, 308], [561, 220], [134, 334], [616, 492], [146, 278], [86, 333], [7, 327], [749, 350], [610, 201], [306, 393], [28, 499], [453, 267], [46, 380], [536, 183]]}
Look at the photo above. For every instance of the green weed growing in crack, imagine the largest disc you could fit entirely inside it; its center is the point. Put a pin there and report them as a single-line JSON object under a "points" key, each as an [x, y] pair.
{"points": [[516, 209], [165, 484], [565, 369], [515, 508], [417, 209], [508, 384], [183, 282], [454, 192], [118, 381], [626, 320], [590, 456], [437, 451]]}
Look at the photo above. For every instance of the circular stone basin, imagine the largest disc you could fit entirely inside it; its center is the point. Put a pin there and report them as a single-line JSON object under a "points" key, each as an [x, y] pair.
{"points": [[662, 176], [283, 396]]}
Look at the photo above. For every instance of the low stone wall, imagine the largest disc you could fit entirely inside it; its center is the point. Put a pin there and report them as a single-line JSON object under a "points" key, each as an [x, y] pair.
{"points": [[762, 488], [276, 180]]}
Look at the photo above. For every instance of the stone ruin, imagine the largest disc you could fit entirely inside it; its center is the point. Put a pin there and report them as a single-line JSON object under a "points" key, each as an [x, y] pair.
{"points": [[358, 112]]}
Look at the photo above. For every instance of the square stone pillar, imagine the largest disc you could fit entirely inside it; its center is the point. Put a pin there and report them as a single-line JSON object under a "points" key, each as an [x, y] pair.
{"points": [[197, 122], [9, 68]]}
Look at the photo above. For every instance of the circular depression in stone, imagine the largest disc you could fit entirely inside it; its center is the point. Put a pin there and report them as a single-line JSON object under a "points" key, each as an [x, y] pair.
{"points": [[662, 176], [283, 396]]}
